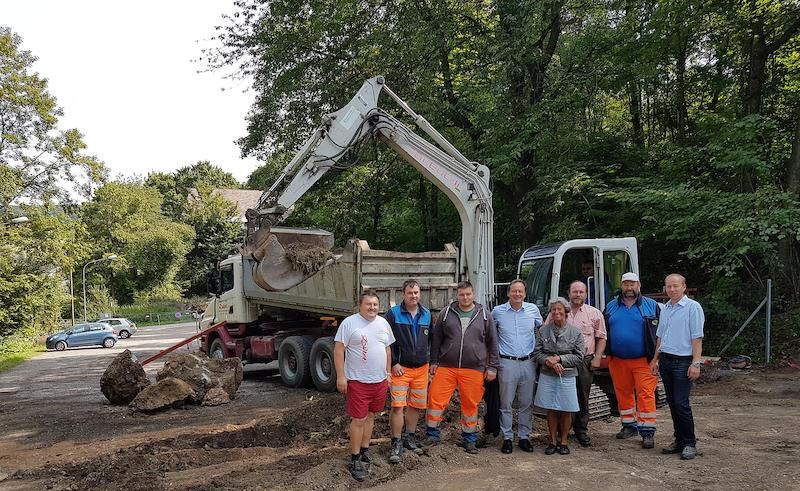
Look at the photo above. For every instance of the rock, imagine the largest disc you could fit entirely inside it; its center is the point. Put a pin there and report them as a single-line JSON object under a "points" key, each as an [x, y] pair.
{"points": [[229, 374], [203, 373], [166, 393], [216, 396], [123, 379], [191, 368]]}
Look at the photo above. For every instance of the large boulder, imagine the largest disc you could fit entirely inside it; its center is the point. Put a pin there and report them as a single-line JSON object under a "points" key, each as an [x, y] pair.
{"points": [[123, 379], [216, 396], [203, 373], [166, 393], [228, 374]]}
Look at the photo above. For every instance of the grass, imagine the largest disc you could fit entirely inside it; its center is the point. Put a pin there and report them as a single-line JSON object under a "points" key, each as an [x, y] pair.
{"points": [[10, 359]]}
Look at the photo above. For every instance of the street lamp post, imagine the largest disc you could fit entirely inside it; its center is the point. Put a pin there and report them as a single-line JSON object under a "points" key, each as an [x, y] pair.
{"points": [[107, 258]]}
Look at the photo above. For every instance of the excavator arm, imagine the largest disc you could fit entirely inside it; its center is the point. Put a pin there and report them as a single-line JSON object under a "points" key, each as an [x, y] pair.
{"points": [[465, 183]]}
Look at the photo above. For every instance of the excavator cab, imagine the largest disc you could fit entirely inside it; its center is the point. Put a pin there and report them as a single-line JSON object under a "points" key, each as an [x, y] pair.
{"points": [[549, 269]]}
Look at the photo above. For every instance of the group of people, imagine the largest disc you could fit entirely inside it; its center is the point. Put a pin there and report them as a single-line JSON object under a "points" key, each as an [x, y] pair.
{"points": [[545, 363]]}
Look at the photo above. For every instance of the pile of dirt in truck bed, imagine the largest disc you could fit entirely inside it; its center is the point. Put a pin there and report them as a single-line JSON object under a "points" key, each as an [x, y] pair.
{"points": [[307, 258]]}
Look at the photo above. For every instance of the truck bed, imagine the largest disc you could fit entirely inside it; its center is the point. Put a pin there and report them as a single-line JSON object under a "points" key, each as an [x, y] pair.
{"points": [[334, 289]]}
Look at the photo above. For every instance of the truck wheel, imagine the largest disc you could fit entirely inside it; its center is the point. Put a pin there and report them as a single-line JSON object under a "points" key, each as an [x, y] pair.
{"points": [[323, 373], [293, 356], [216, 351]]}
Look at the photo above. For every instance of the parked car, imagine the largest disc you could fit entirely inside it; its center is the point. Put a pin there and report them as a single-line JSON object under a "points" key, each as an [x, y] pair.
{"points": [[124, 328], [88, 334]]}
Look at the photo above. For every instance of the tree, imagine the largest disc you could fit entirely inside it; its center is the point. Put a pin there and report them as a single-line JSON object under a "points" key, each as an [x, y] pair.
{"points": [[175, 187], [218, 233], [125, 218], [37, 159]]}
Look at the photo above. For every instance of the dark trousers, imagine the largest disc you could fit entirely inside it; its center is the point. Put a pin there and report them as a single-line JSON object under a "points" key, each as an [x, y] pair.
{"points": [[677, 385], [584, 385]]}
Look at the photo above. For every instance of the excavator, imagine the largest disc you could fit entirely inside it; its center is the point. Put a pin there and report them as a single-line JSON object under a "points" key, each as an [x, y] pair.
{"points": [[266, 308]]}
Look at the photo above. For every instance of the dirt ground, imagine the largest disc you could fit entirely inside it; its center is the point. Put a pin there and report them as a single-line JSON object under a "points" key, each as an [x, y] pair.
{"points": [[270, 437]]}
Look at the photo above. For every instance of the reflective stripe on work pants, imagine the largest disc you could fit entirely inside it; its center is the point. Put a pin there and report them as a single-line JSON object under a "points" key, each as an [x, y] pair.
{"points": [[470, 389]]}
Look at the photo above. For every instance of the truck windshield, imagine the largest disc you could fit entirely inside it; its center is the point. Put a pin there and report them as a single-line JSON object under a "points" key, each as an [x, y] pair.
{"points": [[537, 273]]}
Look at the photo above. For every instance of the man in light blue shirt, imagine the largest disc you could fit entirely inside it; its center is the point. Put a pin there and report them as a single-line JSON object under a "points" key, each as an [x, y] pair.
{"points": [[516, 323], [679, 346]]}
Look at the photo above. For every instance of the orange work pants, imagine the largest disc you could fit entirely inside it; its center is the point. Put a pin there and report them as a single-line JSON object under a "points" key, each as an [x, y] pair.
{"points": [[635, 387], [470, 389]]}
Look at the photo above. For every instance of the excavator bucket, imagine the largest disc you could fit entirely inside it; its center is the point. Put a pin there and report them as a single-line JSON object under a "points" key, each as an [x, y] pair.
{"points": [[287, 256]]}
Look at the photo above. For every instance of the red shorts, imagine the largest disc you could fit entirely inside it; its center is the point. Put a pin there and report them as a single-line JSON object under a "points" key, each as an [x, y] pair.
{"points": [[365, 398]]}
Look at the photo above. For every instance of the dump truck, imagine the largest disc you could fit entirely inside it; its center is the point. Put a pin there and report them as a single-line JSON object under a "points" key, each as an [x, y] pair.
{"points": [[284, 295]]}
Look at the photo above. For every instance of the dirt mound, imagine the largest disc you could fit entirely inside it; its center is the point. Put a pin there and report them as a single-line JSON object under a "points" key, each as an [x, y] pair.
{"points": [[305, 448], [307, 258]]}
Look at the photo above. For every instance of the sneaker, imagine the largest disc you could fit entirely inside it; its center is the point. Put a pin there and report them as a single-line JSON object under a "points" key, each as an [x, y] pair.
{"points": [[410, 443], [648, 441], [673, 448], [395, 451], [357, 470], [627, 432], [550, 449], [366, 457], [688, 453], [507, 447]]}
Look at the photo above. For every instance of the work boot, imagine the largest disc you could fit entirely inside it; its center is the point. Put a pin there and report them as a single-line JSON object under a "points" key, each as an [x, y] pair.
{"points": [[648, 441], [688, 453], [470, 448], [366, 457], [357, 470], [583, 439], [410, 443], [673, 448], [507, 447], [395, 451], [627, 432]]}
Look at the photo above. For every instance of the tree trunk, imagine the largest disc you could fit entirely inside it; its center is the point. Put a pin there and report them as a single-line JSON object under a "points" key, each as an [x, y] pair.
{"points": [[793, 166], [680, 93], [635, 104]]}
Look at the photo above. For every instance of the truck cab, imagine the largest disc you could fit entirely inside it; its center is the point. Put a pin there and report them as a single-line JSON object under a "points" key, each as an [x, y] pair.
{"points": [[549, 269]]}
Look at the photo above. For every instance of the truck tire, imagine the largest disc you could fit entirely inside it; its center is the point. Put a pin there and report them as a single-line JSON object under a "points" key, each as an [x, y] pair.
{"points": [[293, 357], [323, 373], [216, 351]]}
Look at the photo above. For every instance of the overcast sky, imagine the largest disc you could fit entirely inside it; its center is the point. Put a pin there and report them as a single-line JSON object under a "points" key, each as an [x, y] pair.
{"points": [[124, 76]]}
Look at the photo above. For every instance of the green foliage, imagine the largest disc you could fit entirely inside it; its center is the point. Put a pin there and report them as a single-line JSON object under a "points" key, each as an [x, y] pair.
{"points": [[125, 219], [37, 160], [99, 301], [175, 187]]}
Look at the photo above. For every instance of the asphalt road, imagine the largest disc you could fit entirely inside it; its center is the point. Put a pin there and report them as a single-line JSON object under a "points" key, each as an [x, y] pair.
{"points": [[77, 365], [64, 383]]}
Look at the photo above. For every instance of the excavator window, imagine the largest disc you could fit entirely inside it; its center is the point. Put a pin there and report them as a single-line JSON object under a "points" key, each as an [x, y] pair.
{"points": [[537, 273]]}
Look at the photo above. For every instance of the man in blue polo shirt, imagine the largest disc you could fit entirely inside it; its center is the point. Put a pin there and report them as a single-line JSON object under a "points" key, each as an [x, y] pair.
{"points": [[516, 323], [678, 350], [631, 320]]}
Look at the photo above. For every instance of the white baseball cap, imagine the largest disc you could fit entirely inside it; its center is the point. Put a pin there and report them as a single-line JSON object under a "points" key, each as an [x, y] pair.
{"points": [[630, 277]]}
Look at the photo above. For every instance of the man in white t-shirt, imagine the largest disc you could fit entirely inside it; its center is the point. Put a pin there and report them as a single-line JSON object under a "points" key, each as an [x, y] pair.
{"points": [[363, 361]]}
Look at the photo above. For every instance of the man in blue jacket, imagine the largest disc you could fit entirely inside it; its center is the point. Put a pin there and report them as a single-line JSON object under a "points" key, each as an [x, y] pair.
{"points": [[411, 324]]}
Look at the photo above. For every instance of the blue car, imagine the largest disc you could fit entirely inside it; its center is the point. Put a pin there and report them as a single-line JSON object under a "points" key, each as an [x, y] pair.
{"points": [[89, 334]]}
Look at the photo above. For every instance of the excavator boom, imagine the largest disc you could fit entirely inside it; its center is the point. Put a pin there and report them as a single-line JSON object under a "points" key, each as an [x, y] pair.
{"points": [[465, 183]]}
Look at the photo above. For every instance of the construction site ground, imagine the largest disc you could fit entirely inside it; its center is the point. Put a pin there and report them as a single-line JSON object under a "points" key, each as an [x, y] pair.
{"points": [[58, 432]]}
